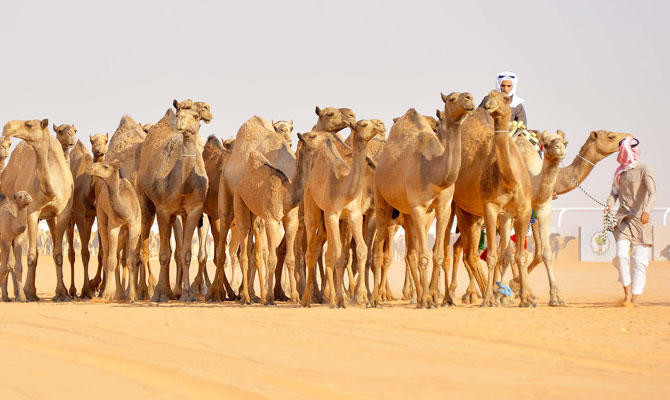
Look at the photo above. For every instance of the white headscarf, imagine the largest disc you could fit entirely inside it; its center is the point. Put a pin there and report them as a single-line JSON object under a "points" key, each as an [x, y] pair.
{"points": [[509, 76]]}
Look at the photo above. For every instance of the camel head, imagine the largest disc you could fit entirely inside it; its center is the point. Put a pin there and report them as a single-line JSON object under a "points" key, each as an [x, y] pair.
{"points": [[554, 145], [332, 120], [34, 132], [99, 144], [5, 144], [66, 135], [607, 142], [105, 169], [498, 105], [457, 105], [22, 199], [188, 123], [203, 109], [284, 128], [367, 129], [348, 115]]}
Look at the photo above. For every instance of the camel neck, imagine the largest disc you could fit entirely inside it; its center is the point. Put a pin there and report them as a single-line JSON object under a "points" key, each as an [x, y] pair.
{"points": [[579, 169], [43, 170], [296, 189], [548, 177], [450, 160], [189, 154], [503, 149], [354, 181], [119, 207]]}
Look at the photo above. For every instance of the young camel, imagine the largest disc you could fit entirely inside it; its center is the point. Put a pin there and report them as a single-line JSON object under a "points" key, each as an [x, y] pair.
{"points": [[118, 209], [38, 166], [265, 192], [429, 166], [13, 220], [83, 206], [333, 193], [492, 181]]}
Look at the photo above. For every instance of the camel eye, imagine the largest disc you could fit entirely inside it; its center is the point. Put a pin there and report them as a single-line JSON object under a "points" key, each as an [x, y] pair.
{"points": [[329, 115]]}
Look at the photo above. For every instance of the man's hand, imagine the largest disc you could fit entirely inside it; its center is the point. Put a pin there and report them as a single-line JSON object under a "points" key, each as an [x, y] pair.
{"points": [[645, 217]]}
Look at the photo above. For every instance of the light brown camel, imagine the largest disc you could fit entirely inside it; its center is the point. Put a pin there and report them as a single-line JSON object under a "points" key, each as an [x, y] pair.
{"points": [[118, 209], [125, 145], [13, 220], [492, 182], [333, 193], [255, 134], [284, 128], [67, 136], [38, 166], [265, 192], [83, 205], [558, 243], [428, 165], [172, 177]]}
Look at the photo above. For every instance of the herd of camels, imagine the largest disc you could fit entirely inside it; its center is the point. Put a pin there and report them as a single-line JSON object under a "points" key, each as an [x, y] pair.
{"points": [[333, 205]]}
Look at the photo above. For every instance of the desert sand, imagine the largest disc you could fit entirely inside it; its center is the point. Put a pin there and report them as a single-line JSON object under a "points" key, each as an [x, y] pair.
{"points": [[589, 349]]}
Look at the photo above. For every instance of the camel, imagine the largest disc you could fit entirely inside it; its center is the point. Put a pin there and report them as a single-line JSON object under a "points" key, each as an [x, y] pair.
{"points": [[66, 135], [83, 205], [558, 243], [284, 128], [118, 209], [492, 182], [13, 220], [172, 177], [429, 166], [255, 134], [265, 192], [38, 167], [333, 193], [125, 145]]}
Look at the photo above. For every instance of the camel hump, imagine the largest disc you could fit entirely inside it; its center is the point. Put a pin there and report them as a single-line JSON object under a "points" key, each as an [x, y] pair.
{"points": [[127, 123], [169, 119]]}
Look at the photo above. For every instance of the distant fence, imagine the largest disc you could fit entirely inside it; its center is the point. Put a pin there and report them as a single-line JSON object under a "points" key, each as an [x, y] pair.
{"points": [[560, 212]]}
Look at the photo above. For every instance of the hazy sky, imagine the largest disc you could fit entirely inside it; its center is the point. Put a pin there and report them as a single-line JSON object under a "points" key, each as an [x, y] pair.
{"points": [[582, 65]]}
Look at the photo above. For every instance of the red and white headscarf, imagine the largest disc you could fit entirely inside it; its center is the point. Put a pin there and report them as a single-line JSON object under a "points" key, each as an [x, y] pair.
{"points": [[629, 154]]}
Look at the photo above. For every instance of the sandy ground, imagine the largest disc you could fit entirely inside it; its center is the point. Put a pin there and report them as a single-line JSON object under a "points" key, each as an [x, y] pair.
{"points": [[589, 349]]}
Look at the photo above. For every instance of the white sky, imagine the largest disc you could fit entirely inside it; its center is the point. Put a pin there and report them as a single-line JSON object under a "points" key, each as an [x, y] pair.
{"points": [[582, 65]]}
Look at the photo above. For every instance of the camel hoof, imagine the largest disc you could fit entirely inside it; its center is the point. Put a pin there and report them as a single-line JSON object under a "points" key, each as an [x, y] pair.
{"points": [[406, 295], [162, 294], [95, 283], [188, 296], [557, 302], [527, 304], [269, 303], [280, 295], [6, 299], [61, 297], [448, 303], [73, 292], [295, 298], [245, 299]]}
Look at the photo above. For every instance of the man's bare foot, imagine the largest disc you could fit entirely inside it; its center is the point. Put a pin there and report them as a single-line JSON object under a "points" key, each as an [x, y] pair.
{"points": [[627, 304]]}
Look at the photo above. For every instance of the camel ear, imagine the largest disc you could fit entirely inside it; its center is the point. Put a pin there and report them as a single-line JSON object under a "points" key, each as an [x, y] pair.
{"points": [[90, 138], [75, 128], [44, 124], [273, 122], [318, 111], [444, 97], [300, 139], [395, 119], [175, 103], [106, 136], [291, 122], [55, 128], [594, 135]]}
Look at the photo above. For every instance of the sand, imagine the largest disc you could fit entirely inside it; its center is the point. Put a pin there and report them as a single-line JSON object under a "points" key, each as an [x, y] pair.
{"points": [[589, 349]]}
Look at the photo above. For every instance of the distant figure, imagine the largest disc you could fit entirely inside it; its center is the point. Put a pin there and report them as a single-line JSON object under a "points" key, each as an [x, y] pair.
{"points": [[666, 252], [557, 243], [506, 83], [635, 189]]}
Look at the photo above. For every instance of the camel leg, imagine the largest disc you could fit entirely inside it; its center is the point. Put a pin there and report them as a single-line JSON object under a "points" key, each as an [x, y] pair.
{"points": [[278, 290], [457, 250], [407, 288], [260, 244], [190, 225], [84, 226], [491, 213], [413, 259], [313, 220], [17, 247], [419, 218], [387, 252], [520, 224], [32, 228], [505, 254], [199, 287], [300, 248], [132, 252], [5, 267], [162, 291], [97, 279], [320, 258], [108, 289], [274, 236], [243, 225], [333, 256], [290, 233], [69, 230], [59, 224], [470, 228], [383, 214], [220, 289], [356, 228], [544, 221], [146, 282], [180, 245]]}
